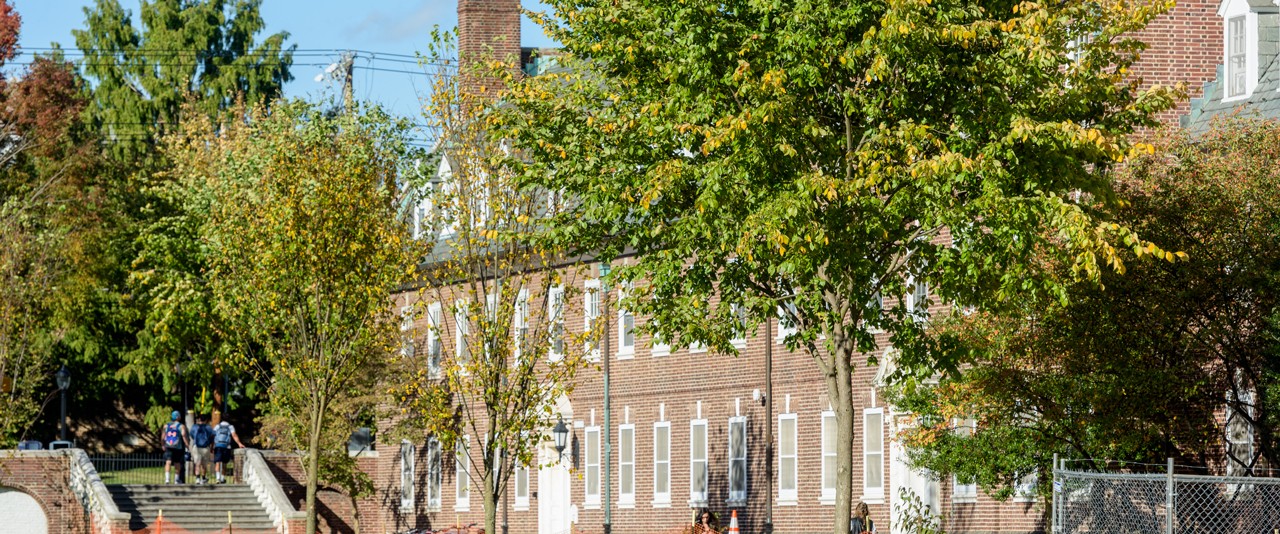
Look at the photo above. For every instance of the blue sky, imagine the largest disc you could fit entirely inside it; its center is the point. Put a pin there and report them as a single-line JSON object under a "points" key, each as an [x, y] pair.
{"points": [[379, 26]]}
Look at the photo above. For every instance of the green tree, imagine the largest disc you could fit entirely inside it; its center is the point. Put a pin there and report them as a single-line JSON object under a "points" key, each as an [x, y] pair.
{"points": [[1140, 367], [487, 281], [304, 248], [811, 157], [49, 202], [205, 51]]}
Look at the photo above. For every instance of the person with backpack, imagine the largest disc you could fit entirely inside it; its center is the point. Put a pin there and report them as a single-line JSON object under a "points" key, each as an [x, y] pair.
{"points": [[174, 438], [202, 443], [222, 436]]}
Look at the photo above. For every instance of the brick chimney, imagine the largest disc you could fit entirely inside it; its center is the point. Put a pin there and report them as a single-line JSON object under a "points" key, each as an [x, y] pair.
{"points": [[488, 29]]}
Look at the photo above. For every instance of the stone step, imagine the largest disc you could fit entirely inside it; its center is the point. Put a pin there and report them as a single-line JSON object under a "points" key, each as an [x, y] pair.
{"points": [[192, 507]]}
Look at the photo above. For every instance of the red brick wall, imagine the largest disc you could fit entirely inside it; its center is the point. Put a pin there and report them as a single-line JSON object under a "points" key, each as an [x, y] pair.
{"points": [[45, 476], [488, 29], [1184, 45]]}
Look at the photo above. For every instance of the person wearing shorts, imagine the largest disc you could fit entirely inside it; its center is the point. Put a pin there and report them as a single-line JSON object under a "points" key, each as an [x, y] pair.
{"points": [[201, 449], [174, 438], [223, 434]]}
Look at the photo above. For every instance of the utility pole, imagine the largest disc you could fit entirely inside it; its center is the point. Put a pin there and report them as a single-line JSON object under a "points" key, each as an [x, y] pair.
{"points": [[768, 424], [348, 93], [608, 430]]}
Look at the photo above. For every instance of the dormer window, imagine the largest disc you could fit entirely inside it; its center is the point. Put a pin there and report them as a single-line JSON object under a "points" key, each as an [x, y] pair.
{"points": [[1237, 54], [1240, 61]]}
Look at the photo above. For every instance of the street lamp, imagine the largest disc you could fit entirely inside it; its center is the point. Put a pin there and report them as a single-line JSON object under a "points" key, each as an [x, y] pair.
{"points": [[63, 379], [561, 433]]}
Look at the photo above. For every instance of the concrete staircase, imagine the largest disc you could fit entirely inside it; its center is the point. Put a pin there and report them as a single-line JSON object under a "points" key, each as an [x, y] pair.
{"points": [[192, 508]]}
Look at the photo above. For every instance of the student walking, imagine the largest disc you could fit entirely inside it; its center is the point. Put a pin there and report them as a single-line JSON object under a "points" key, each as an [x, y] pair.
{"points": [[223, 434], [174, 437], [202, 444]]}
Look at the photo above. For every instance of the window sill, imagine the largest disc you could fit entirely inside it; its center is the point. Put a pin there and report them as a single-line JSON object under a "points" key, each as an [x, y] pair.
{"points": [[462, 508], [872, 499], [697, 503], [827, 501], [626, 355], [788, 502], [433, 509], [523, 507], [964, 500], [662, 504], [626, 505], [739, 344], [591, 505], [736, 503], [660, 353]]}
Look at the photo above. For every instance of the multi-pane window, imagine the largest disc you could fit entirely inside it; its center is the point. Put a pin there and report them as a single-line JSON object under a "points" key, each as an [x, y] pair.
{"points": [[698, 472], [965, 490], [435, 474], [520, 321], [462, 467], [1236, 57], [555, 311], [738, 459], [739, 326], [591, 317], [592, 475], [461, 330], [435, 348], [626, 465], [1240, 432], [788, 475], [662, 463], [659, 345], [522, 487], [1025, 489], [873, 453], [407, 452], [406, 332], [786, 321], [828, 456], [920, 300], [626, 327]]}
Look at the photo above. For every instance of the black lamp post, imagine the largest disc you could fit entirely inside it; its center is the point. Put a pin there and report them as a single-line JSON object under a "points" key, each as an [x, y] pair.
{"points": [[63, 379], [561, 433]]}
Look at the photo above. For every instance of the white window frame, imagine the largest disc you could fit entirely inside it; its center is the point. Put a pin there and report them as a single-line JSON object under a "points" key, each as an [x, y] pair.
{"points": [[520, 323], [625, 351], [789, 497], [555, 326], [738, 497], [462, 468], [657, 346], [914, 305], [697, 348], [739, 340], [435, 347], [521, 476], [786, 327], [435, 475], [446, 187], [591, 492], [1025, 489], [964, 493], [872, 455], [490, 325], [461, 330], [661, 499], [828, 494], [422, 209], [591, 310], [699, 499], [1237, 57], [407, 453], [626, 464], [407, 348]]}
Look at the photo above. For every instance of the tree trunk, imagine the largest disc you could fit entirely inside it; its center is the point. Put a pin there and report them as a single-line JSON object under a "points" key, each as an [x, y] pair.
{"points": [[313, 460], [840, 387], [490, 506]]}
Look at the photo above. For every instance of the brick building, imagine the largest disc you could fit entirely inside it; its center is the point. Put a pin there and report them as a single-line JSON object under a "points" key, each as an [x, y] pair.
{"points": [[688, 426]]}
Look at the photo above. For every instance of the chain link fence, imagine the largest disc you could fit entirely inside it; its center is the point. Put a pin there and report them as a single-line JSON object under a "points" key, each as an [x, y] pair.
{"points": [[1163, 503]]}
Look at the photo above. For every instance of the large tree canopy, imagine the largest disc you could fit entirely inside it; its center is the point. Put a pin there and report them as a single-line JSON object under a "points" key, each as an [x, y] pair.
{"points": [[813, 156], [205, 50], [1140, 367]]}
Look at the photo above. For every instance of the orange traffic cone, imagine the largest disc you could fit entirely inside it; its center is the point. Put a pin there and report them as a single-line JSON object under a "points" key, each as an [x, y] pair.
{"points": [[733, 523]]}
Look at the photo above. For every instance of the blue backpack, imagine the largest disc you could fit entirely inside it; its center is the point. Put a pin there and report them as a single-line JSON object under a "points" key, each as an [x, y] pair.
{"points": [[222, 437], [173, 435], [202, 435]]}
